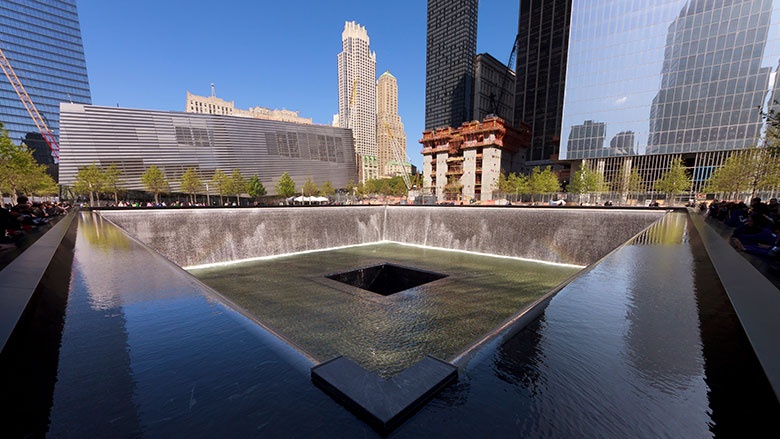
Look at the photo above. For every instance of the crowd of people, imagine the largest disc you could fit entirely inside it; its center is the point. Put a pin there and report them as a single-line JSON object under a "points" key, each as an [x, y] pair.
{"points": [[756, 227], [24, 217]]}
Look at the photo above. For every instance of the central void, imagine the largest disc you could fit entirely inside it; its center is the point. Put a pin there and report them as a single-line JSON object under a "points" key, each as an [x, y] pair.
{"points": [[322, 304], [386, 279]]}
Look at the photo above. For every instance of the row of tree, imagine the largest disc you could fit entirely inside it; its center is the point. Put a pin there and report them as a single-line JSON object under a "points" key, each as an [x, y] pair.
{"points": [[92, 180], [539, 182], [744, 173]]}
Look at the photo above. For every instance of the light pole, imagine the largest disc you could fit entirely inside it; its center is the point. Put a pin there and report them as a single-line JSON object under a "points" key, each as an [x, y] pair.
{"points": [[208, 199]]}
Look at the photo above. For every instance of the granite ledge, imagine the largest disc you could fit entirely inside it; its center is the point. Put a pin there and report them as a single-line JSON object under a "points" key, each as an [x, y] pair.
{"points": [[383, 404]]}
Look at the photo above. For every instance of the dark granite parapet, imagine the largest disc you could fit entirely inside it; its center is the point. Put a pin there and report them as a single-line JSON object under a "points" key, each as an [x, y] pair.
{"points": [[383, 404]]}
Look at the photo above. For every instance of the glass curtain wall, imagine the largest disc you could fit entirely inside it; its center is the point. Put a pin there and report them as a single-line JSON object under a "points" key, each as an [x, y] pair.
{"points": [[668, 76]]}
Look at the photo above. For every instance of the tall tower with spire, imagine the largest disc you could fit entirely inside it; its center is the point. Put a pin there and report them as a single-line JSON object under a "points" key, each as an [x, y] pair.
{"points": [[357, 96]]}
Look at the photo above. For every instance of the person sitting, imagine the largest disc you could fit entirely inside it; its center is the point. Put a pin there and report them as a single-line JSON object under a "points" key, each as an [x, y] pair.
{"points": [[758, 237]]}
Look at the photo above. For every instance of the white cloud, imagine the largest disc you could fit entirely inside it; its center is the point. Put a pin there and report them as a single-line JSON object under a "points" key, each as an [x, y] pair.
{"points": [[621, 101]]}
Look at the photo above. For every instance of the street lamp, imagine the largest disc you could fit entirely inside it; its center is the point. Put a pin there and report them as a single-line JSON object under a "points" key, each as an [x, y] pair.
{"points": [[208, 199]]}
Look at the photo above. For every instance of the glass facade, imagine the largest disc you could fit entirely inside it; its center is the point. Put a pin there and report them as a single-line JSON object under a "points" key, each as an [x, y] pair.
{"points": [[42, 41], [543, 31], [668, 76]]}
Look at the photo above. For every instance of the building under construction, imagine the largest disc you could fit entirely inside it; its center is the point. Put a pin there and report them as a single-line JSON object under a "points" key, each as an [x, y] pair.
{"points": [[465, 163]]}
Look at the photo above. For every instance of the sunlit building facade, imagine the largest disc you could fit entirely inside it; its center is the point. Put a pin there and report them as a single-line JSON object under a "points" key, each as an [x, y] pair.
{"points": [[390, 135], [357, 95]]}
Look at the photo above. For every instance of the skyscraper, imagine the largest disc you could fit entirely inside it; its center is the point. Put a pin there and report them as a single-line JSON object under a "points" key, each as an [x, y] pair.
{"points": [[664, 79], [450, 49], [42, 41], [390, 136], [543, 30], [494, 88], [357, 95]]}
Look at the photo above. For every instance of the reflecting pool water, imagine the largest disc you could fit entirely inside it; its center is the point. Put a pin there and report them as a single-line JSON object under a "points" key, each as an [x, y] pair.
{"points": [[385, 334], [645, 344]]}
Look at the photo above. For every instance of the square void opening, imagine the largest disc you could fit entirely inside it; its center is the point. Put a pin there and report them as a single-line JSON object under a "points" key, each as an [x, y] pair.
{"points": [[386, 279]]}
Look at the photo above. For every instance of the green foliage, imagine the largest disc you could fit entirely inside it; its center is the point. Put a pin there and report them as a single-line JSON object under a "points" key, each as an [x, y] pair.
{"points": [[285, 187], [236, 185], [350, 187], [89, 181], [19, 172], [255, 187], [190, 183], [587, 181], [327, 189], [745, 172], [513, 184], [635, 183], [543, 181], [453, 186], [221, 183], [675, 181], [154, 180], [111, 177], [310, 188], [384, 186]]}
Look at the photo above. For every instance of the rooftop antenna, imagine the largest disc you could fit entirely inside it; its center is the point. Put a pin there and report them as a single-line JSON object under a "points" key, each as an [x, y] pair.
{"points": [[212, 91]]}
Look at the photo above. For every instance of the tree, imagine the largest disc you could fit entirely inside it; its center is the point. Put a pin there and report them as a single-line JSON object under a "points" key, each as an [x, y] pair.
{"points": [[326, 190], [453, 187], [398, 186], [255, 187], [310, 188], [89, 181], [746, 171], [285, 187], [350, 187], [154, 180], [190, 183], [587, 181], [543, 181], [222, 182], [19, 172], [237, 185], [111, 177], [675, 181], [635, 183]]}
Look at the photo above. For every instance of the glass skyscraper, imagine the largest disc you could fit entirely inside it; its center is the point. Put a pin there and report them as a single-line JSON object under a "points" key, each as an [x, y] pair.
{"points": [[670, 76], [543, 38], [42, 41]]}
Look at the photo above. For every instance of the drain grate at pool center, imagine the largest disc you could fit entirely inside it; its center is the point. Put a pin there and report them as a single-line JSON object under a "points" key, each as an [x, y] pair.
{"points": [[386, 279]]}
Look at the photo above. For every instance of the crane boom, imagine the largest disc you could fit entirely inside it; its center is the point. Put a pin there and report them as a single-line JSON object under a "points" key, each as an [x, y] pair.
{"points": [[40, 123]]}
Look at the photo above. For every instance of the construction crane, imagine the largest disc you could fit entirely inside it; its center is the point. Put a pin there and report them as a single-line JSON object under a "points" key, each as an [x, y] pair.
{"points": [[503, 85], [40, 123], [400, 157]]}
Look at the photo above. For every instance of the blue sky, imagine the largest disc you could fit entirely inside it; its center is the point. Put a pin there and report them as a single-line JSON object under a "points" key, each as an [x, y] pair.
{"points": [[280, 54]]}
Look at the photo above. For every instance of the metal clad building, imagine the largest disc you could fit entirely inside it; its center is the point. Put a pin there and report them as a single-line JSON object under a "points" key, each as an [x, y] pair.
{"points": [[135, 139]]}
